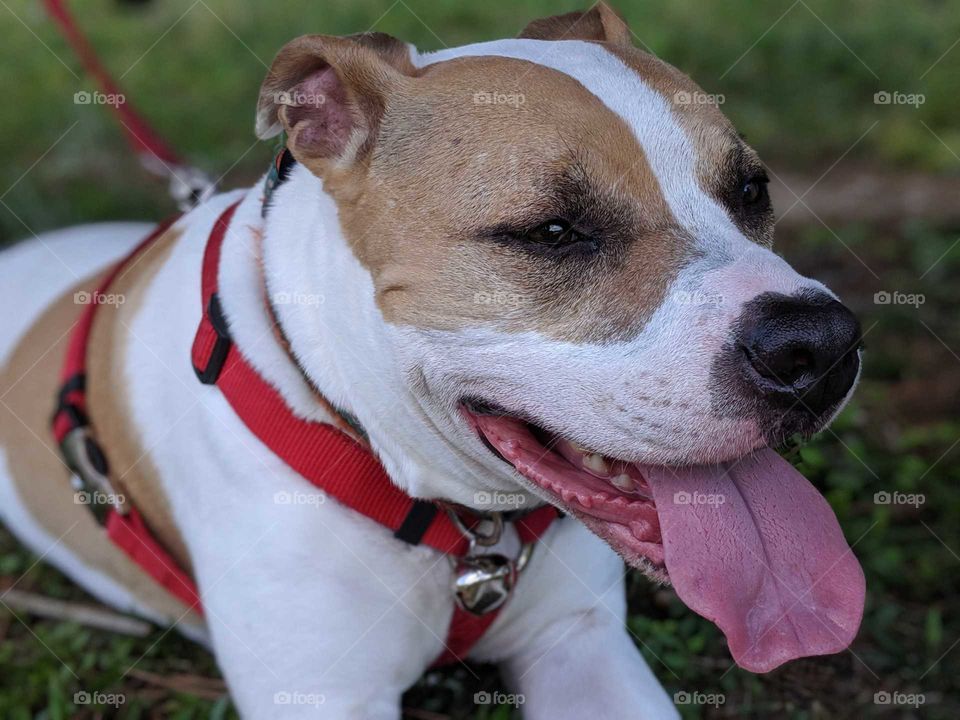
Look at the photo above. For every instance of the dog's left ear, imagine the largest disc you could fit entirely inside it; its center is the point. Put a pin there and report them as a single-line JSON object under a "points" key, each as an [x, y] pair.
{"points": [[329, 94], [601, 23]]}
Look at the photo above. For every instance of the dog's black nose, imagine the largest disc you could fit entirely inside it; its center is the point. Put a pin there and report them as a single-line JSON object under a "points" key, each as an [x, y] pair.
{"points": [[805, 346]]}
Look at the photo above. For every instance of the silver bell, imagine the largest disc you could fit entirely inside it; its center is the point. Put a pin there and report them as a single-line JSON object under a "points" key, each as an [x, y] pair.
{"points": [[482, 583]]}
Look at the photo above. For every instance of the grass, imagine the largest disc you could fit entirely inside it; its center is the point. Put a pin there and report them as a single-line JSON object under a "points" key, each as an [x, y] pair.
{"points": [[798, 80]]}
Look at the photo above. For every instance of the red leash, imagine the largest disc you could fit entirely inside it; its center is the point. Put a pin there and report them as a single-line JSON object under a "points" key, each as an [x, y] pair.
{"points": [[140, 135], [188, 185]]}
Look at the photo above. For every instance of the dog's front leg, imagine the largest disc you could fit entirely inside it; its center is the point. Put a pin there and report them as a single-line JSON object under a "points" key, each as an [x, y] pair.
{"points": [[586, 666], [320, 615], [287, 652]]}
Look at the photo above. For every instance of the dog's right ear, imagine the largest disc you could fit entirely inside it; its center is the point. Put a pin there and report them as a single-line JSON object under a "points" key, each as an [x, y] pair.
{"points": [[601, 23], [329, 94]]}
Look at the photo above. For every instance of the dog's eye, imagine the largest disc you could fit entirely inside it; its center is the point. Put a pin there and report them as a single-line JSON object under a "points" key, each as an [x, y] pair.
{"points": [[553, 233], [754, 192], [556, 239]]}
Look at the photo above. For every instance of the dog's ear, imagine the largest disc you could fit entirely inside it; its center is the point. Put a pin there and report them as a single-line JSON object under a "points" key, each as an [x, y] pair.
{"points": [[601, 22], [329, 93]]}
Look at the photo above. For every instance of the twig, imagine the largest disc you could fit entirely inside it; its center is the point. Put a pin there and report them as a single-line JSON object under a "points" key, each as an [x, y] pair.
{"points": [[89, 615], [202, 687]]}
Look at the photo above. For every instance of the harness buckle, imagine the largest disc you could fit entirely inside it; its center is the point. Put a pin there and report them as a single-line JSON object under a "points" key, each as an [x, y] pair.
{"points": [[483, 582], [484, 538], [189, 186], [91, 484], [217, 354]]}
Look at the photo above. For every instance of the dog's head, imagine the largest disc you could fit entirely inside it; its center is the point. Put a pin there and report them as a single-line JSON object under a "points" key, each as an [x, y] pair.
{"points": [[569, 246]]}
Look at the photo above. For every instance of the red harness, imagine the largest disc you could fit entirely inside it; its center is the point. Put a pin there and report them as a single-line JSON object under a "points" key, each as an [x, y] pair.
{"points": [[322, 454]]}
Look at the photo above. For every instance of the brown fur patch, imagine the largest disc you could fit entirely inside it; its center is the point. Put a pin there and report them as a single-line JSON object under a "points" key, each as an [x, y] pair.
{"points": [[32, 378], [492, 141], [599, 23], [130, 464]]}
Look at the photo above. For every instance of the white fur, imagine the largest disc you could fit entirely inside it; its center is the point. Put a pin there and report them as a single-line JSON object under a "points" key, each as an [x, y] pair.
{"points": [[36, 272], [413, 437]]}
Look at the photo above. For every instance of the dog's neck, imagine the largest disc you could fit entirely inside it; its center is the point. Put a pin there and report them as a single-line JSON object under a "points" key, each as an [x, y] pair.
{"points": [[323, 300]]}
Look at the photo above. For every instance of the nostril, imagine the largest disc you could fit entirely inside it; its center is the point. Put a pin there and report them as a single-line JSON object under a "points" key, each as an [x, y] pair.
{"points": [[802, 360], [784, 365]]}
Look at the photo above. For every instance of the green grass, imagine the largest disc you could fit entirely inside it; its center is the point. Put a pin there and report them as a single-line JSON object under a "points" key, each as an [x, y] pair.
{"points": [[803, 95]]}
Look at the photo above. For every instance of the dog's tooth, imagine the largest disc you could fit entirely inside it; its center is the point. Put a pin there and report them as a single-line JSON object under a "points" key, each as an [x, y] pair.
{"points": [[623, 482], [595, 462]]}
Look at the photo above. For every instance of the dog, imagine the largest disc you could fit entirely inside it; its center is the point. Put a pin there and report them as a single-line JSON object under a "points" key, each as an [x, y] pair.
{"points": [[529, 273]]}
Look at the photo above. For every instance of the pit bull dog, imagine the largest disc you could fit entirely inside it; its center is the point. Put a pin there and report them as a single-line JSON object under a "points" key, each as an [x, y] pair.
{"points": [[527, 274]]}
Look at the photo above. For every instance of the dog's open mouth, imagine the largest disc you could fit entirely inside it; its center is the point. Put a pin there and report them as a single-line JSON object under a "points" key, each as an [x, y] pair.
{"points": [[750, 544]]}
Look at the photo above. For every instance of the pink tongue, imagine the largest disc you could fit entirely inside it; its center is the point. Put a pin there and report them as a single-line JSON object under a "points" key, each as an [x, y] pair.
{"points": [[752, 546]]}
